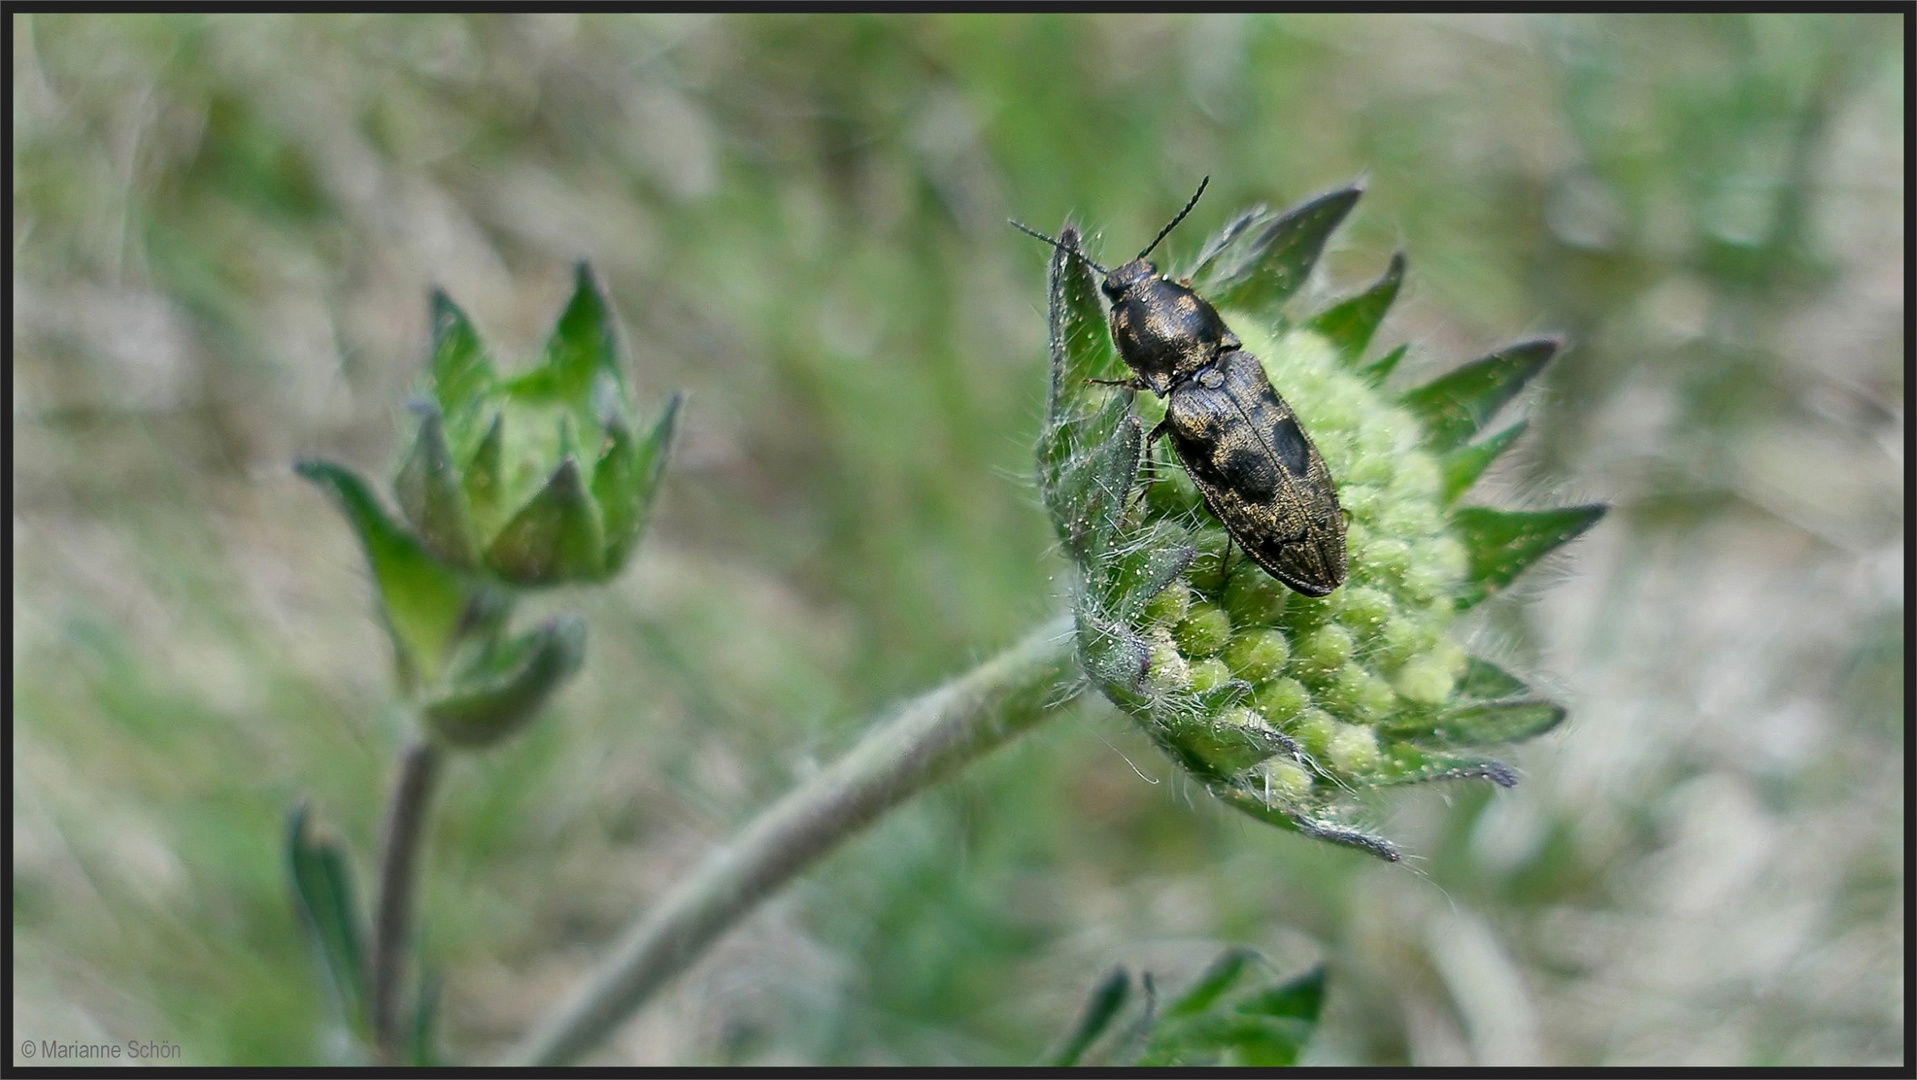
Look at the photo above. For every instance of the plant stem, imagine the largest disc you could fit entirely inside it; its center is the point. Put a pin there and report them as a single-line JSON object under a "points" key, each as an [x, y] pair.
{"points": [[930, 737], [398, 873]]}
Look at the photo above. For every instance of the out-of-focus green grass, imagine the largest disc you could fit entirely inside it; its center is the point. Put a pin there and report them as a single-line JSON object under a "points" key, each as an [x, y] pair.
{"points": [[225, 228]]}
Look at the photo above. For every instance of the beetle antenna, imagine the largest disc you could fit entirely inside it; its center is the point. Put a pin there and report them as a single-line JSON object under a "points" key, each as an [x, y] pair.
{"points": [[1166, 231], [1060, 245]]}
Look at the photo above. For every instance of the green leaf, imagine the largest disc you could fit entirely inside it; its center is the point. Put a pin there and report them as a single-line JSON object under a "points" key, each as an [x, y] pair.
{"points": [[1100, 1009], [1462, 467], [508, 688], [556, 537], [1266, 1027], [323, 896], [1504, 543], [1380, 369], [1229, 1039], [431, 495], [1218, 978], [1303, 998], [1276, 261], [1349, 324], [461, 373], [583, 345], [626, 480], [1486, 681], [424, 601], [1455, 406]]}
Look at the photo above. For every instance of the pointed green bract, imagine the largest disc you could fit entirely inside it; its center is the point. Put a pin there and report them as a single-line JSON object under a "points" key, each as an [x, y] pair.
{"points": [[323, 895], [1088, 492], [1269, 267], [1080, 343], [1100, 1010], [423, 599], [1115, 657], [1217, 752], [484, 480], [461, 372], [1088, 453], [508, 689], [1409, 764], [626, 480], [555, 537], [1464, 465], [1223, 239], [1504, 543], [1485, 681], [1094, 487], [619, 488], [1490, 723], [582, 347], [1492, 707], [1380, 369], [1137, 576], [1349, 324], [431, 494], [1306, 822], [1456, 405]]}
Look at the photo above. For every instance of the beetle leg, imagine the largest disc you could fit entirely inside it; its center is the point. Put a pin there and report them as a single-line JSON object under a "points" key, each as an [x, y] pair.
{"points": [[1133, 383]]}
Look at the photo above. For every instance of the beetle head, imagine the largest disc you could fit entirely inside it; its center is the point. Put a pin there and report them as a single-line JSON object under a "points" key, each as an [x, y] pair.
{"points": [[1164, 331]]}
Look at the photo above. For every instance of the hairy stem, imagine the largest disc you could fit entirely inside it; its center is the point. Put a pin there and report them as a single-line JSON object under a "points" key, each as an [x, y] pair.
{"points": [[930, 737], [398, 873]]}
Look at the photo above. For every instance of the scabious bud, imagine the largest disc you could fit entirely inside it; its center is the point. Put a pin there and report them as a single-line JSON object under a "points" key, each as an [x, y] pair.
{"points": [[543, 477], [1281, 703], [512, 482]]}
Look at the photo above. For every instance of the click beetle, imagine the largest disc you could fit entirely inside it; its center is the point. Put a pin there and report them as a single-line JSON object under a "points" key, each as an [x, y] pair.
{"points": [[1240, 443]]}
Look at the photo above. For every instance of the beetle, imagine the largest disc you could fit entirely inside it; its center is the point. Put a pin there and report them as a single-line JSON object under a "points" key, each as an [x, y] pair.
{"points": [[1239, 441]]}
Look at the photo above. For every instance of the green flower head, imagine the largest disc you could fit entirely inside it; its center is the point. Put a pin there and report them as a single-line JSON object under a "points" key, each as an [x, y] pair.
{"points": [[1281, 703], [513, 482], [543, 477]]}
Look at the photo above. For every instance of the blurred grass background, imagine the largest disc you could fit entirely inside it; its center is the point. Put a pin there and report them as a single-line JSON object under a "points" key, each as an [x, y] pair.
{"points": [[224, 232]]}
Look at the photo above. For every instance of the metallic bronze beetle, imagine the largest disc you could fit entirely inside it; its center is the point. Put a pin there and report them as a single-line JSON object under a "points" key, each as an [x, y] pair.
{"points": [[1239, 441]]}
